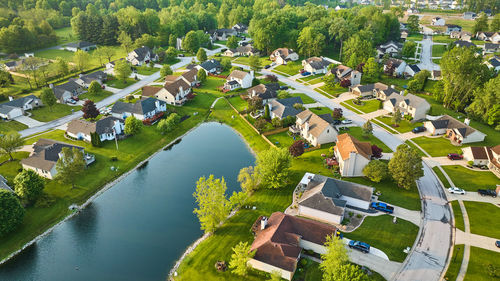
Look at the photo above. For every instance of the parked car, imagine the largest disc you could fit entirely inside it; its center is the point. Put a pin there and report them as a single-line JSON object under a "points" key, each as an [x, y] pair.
{"points": [[267, 66], [305, 73], [455, 156], [181, 55], [72, 101], [273, 64], [419, 129], [487, 192], [497, 243], [360, 246], [283, 87], [302, 71], [346, 121], [456, 190], [382, 207]]}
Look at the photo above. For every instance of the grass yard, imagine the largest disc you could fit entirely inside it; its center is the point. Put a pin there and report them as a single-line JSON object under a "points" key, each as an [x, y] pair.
{"points": [[310, 78], [95, 97], [380, 232], [210, 86], [321, 110], [366, 106], [330, 92], [437, 146], [357, 132], [436, 61], [483, 265], [55, 53], [65, 35], [415, 37], [420, 152], [120, 84], [457, 213], [455, 263], [404, 126], [146, 70], [245, 61], [46, 114], [12, 125], [399, 83], [281, 139], [441, 177], [291, 68], [471, 180], [308, 272], [305, 98], [239, 103], [483, 218], [438, 50]]}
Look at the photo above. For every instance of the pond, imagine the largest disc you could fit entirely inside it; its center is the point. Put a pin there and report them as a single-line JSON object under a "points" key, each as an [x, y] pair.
{"points": [[139, 228]]}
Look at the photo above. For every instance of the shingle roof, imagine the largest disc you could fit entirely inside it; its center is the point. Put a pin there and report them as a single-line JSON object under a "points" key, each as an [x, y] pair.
{"points": [[150, 91], [284, 107], [461, 43], [237, 74], [347, 144], [69, 86], [102, 126], [174, 87], [448, 122], [98, 75], [46, 153], [479, 152], [4, 185], [414, 67], [317, 63], [317, 124], [142, 52], [139, 107], [265, 91], [409, 99], [20, 102], [190, 75], [210, 64], [491, 46], [494, 62]]}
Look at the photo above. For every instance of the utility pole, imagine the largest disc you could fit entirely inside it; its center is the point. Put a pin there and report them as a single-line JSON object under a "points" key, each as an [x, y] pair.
{"points": [[116, 140]]}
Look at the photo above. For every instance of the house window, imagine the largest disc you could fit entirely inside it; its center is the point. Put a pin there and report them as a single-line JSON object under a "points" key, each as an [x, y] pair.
{"points": [[328, 131]]}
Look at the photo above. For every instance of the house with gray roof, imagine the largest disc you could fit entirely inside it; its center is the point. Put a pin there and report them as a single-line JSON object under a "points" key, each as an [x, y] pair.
{"points": [[211, 66], [18, 107], [141, 56], [283, 108], [325, 199], [266, 92], [80, 45], [64, 92], [223, 34], [84, 80], [493, 63], [367, 90], [408, 104], [4, 184], [461, 43], [107, 129], [316, 65], [142, 109], [458, 132], [490, 48]]}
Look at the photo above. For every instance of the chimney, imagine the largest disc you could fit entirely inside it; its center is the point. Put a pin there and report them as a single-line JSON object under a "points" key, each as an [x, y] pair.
{"points": [[467, 121], [263, 223], [11, 98]]}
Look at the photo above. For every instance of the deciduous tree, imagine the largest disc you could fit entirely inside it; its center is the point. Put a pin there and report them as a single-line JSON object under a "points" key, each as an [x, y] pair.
{"points": [[337, 113], [213, 205], [170, 54], [297, 148], [409, 49], [10, 142], [70, 165], [240, 257], [122, 70], [201, 55], [311, 42], [94, 88], [367, 128], [248, 179], [486, 103], [132, 125], [376, 170], [166, 70], [48, 98], [254, 63], [357, 50], [89, 110], [371, 71], [168, 124], [413, 24], [335, 256], [481, 23], [28, 185], [405, 166], [81, 59], [273, 167], [125, 41], [202, 75], [11, 212], [62, 66], [190, 42], [226, 63], [376, 151], [396, 117], [232, 42]]}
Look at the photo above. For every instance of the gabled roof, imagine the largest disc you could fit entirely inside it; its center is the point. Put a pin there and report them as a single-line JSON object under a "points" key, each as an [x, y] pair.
{"points": [[453, 26], [317, 63], [448, 122], [4, 185], [46, 153], [347, 144], [174, 87], [494, 62], [150, 91], [140, 53], [414, 67], [69, 86], [285, 52], [265, 91], [102, 126], [317, 123], [409, 99], [491, 46], [237, 74], [284, 107], [479, 152], [370, 87], [98, 75], [140, 107], [461, 43], [20, 102], [190, 75], [210, 64]]}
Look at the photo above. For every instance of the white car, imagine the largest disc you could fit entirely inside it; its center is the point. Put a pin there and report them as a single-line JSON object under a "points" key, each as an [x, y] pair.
{"points": [[456, 190], [346, 121]]}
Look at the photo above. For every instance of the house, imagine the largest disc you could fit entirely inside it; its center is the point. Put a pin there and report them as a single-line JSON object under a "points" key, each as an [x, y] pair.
{"points": [[240, 28], [178, 43], [85, 80], [493, 37], [391, 48], [239, 79], [110, 66], [211, 66], [191, 77], [283, 108], [469, 15], [395, 67], [267, 92], [490, 48], [383, 93], [315, 65], [343, 72], [435, 75], [404, 35], [14, 65], [412, 69], [437, 21], [412, 11], [367, 90], [409, 104], [452, 28], [461, 35], [461, 43], [493, 63], [494, 164], [66, 91], [142, 109], [316, 129], [280, 239], [479, 155], [352, 155], [223, 34], [283, 55], [141, 56], [174, 93], [45, 154], [455, 130], [17, 107], [4, 184], [243, 50], [107, 129], [325, 199], [81, 45]]}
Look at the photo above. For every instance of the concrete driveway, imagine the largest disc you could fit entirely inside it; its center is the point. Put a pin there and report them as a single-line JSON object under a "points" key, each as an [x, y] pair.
{"points": [[374, 114], [475, 240], [384, 267], [30, 122], [444, 161], [473, 196]]}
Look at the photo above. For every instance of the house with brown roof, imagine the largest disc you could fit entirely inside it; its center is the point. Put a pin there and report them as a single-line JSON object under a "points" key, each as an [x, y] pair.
{"points": [[479, 155], [45, 154], [283, 55], [455, 130], [352, 155], [107, 128], [367, 90], [239, 79], [408, 104], [316, 65], [174, 93], [316, 129], [494, 164], [280, 239], [325, 199], [191, 77], [343, 72], [267, 92], [395, 67]]}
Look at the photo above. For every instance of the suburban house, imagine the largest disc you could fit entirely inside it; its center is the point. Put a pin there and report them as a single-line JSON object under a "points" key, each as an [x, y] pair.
{"points": [[17, 107], [240, 28], [239, 79], [316, 129], [490, 48], [110, 66], [469, 15], [412, 69], [395, 67], [244, 50], [283, 108], [223, 34], [452, 28], [493, 63], [142, 109], [141, 56], [316, 65], [66, 91], [14, 65], [437, 21], [283, 55], [494, 164], [479, 155], [85, 80], [404, 35], [325, 199], [382, 94], [174, 93], [211, 66], [266, 92], [280, 239], [191, 77], [412, 11], [352, 155], [4, 184], [107, 129], [81, 45], [409, 104], [461, 43], [367, 90], [493, 37], [435, 75], [461, 35], [455, 130], [343, 72], [392, 48], [45, 154]]}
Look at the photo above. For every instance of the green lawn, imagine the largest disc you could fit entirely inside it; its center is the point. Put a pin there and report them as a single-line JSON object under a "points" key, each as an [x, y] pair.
{"points": [[146, 70], [457, 213], [366, 106], [282, 139], [321, 110], [11, 125], [210, 85], [291, 68], [438, 50], [245, 60], [437, 146], [357, 132], [305, 98], [415, 37], [404, 126], [46, 114], [64, 35], [55, 53], [120, 84], [420, 152], [330, 92], [436, 61], [441, 177], [239, 103], [380, 232], [95, 97], [471, 180], [483, 218], [481, 263], [308, 272], [399, 83], [455, 263], [309, 78]]}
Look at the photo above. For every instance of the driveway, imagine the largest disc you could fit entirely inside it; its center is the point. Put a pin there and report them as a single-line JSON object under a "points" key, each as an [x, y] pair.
{"points": [[384, 267], [344, 97], [411, 135], [444, 161], [473, 196], [426, 54], [30, 122], [475, 240]]}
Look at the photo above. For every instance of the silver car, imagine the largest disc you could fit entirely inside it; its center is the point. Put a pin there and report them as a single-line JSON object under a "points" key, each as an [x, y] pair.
{"points": [[456, 190]]}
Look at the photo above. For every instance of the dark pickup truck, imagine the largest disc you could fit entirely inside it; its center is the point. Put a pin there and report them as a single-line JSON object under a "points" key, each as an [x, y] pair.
{"points": [[382, 207], [487, 192]]}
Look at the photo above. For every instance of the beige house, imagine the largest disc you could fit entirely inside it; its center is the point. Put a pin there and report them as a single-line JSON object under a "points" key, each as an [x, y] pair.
{"points": [[316, 65], [494, 164], [280, 239], [479, 155], [316, 129], [174, 93], [409, 104], [368, 90], [455, 130], [283, 55], [239, 79], [106, 128], [352, 155]]}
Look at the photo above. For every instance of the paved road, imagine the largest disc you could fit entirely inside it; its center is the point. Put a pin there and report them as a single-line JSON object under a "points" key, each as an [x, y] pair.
{"points": [[426, 55]]}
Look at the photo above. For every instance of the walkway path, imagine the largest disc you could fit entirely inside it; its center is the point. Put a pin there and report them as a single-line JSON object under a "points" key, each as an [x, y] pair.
{"points": [[465, 260], [28, 121]]}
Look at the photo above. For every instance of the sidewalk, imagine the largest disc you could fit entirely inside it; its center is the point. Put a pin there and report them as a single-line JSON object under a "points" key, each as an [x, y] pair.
{"points": [[475, 240]]}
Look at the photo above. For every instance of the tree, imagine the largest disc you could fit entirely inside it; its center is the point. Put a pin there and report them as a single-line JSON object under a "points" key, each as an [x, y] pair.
{"points": [[81, 59], [413, 24], [202, 75], [240, 257], [486, 103], [277, 122], [273, 167], [350, 272], [201, 55], [367, 128], [70, 165], [254, 104], [311, 42], [166, 70], [232, 42], [168, 124], [254, 63], [260, 124], [32, 66], [170, 54], [371, 70], [376, 170], [62, 66], [376, 151], [213, 205], [248, 180], [335, 256], [122, 70], [132, 125], [89, 110], [330, 81], [297, 148], [337, 113], [267, 113], [190, 42], [396, 117], [282, 94], [28, 185], [495, 23], [357, 50], [11, 212], [275, 275], [95, 139], [5, 78], [226, 63], [94, 88], [417, 84], [341, 30], [405, 166], [107, 52], [125, 41], [409, 49], [10, 142], [48, 98], [481, 23]]}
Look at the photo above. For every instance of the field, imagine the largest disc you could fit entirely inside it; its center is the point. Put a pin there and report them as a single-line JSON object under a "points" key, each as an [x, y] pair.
{"points": [[483, 218], [46, 114], [471, 180], [11, 125], [94, 61]]}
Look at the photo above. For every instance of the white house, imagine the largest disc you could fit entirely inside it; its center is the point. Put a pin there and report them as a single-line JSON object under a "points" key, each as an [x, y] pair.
{"points": [[239, 79], [469, 15], [316, 129], [479, 155], [452, 28], [244, 50], [141, 56], [107, 129], [110, 66], [81, 45], [17, 107], [408, 104], [283, 55], [493, 37], [316, 65], [412, 69], [142, 109], [493, 63], [343, 72], [174, 93], [437, 21], [66, 91], [455, 130], [391, 48], [352, 155], [223, 34]]}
